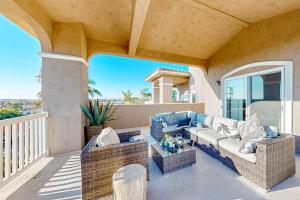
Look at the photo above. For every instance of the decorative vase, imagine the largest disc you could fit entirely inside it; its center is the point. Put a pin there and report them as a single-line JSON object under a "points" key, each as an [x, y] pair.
{"points": [[91, 131]]}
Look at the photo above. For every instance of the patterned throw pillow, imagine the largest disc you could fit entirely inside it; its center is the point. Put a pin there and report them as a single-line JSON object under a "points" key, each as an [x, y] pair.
{"points": [[193, 123], [136, 138], [252, 131], [222, 129], [164, 124], [249, 146], [271, 132]]}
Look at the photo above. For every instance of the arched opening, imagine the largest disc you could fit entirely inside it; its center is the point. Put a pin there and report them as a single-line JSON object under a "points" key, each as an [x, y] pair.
{"points": [[20, 71], [122, 79], [262, 88]]}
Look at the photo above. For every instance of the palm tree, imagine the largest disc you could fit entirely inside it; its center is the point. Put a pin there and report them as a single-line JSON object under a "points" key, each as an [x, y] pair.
{"points": [[145, 94], [128, 98], [93, 92]]}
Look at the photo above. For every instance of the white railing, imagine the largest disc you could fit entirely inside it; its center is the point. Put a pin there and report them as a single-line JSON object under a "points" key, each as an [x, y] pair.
{"points": [[22, 142]]}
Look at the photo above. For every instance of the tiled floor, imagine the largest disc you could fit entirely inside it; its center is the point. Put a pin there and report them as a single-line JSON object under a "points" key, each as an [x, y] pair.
{"points": [[208, 180]]}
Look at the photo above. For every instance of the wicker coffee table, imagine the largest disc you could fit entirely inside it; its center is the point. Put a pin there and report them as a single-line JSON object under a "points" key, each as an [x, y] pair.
{"points": [[169, 162]]}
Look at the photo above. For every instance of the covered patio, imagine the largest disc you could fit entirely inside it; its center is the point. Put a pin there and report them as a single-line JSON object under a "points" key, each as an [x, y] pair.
{"points": [[208, 179], [225, 44]]}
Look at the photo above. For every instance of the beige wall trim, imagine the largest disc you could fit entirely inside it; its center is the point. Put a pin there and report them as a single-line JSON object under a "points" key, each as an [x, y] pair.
{"points": [[138, 18], [216, 12], [63, 57]]}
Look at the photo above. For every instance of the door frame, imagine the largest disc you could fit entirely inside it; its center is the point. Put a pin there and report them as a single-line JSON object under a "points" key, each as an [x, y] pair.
{"points": [[286, 68]]}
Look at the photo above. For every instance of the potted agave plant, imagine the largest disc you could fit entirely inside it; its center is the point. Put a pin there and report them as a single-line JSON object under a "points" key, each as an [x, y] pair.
{"points": [[97, 115]]}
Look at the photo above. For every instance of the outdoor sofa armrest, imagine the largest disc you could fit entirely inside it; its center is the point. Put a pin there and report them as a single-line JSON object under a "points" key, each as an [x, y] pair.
{"points": [[283, 145], [276, 159]]}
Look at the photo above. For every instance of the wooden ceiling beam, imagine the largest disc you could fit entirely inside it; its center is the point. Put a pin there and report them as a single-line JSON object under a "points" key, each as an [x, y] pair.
{"points": [[140, 9]]}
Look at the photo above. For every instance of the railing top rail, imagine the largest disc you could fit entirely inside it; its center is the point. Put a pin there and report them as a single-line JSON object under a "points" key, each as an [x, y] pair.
{"points": [[16, 120]]}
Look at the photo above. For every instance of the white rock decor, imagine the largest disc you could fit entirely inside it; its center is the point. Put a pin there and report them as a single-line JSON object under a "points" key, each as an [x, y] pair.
{"points": [[130, 183]]}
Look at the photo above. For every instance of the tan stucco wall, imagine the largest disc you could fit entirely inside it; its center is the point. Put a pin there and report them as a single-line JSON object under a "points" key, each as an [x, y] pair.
{"points": [[277, 38], [64, 88], [182, 88], [70, 39], [129, 116], [196, 82]]}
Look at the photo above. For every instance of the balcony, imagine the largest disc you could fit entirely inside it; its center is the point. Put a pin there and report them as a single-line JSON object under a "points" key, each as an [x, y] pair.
{"points": [[59, 177], [221, 42]]}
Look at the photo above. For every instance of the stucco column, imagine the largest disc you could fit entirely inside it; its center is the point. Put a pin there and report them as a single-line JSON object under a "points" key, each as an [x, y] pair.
{"points": [[155, 92], [165, 90], [64, 88]]}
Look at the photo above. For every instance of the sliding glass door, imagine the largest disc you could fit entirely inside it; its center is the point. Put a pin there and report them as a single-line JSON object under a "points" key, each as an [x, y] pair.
{"points": [[260, 93], [265, 98], [236, 97]]}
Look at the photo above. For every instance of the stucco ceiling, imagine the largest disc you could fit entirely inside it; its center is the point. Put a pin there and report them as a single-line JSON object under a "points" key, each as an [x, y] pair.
{"points": [[191, 28], [104, 20]]}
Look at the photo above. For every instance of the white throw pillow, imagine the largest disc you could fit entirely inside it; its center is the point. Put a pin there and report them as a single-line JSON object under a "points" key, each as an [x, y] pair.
{"points": [[108, 136], [251, 129]]}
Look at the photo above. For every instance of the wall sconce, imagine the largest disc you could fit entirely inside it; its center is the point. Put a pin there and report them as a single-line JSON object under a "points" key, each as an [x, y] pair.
{"points": [[218, 82]]}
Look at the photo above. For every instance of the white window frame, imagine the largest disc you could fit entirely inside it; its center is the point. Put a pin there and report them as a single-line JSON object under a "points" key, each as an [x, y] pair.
{"points": [[286, 69]]}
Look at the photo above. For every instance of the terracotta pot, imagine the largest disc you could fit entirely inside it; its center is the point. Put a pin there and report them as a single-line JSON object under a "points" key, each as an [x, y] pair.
{"points": [[93, 130]]}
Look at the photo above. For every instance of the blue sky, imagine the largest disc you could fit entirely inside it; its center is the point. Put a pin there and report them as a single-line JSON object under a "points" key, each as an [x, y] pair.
{"points": [[20, 63], [114, 74]]}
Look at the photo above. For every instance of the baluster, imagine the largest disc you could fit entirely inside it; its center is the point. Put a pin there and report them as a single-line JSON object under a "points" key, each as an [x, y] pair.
{"points": [[44, 134], [21, 145], [7, 151], [14, 149], [36, 130], [26, 143], [40, 136], [1, 153], [31, 145]]}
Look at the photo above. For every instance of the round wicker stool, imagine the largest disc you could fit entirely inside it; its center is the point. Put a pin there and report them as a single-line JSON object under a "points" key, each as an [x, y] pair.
{"points": [[130, 183]]}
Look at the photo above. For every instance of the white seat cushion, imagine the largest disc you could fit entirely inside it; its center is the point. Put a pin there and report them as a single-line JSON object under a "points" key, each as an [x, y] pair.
{"points": [[210, 136], [108, 136], [170, 128], [234, 146], [230, 123], [193, 129]]}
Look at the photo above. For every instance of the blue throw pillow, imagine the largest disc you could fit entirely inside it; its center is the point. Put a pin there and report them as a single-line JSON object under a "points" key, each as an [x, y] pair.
{"points": [[183, 119], [171, 119], [200, 117]]}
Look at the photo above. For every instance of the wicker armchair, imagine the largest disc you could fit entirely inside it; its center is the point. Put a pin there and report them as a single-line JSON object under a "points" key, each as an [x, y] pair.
{"points": [[99, 163]]}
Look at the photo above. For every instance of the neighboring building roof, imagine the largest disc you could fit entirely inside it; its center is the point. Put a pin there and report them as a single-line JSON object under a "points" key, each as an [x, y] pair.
{"points": [[166, 72]]}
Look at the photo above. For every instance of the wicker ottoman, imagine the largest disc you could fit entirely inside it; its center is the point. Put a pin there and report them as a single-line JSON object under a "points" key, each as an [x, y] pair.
{"points": [[130, 183]]}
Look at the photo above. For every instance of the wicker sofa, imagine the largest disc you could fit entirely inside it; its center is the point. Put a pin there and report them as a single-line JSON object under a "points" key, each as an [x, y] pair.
{"points": [[157, 130], [273, 161], [99, 163]]}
